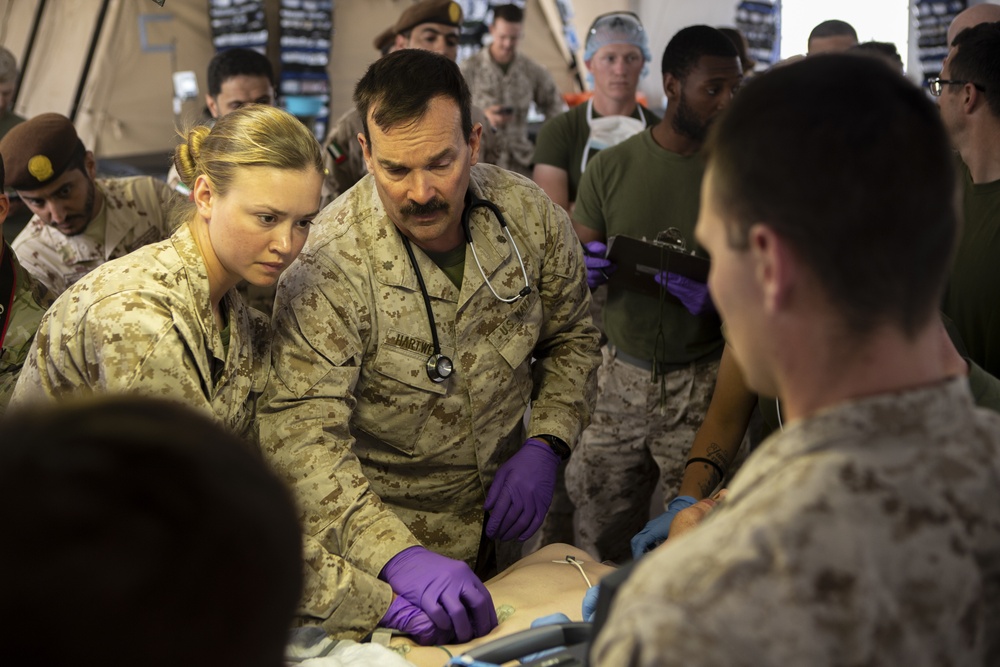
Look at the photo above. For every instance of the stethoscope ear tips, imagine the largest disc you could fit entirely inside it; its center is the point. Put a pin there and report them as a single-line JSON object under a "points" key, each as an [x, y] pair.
{"points": [[525, 291]]}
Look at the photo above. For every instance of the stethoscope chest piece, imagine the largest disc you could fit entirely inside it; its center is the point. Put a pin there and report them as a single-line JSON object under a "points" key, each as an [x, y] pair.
{"points": [[439, 367]]}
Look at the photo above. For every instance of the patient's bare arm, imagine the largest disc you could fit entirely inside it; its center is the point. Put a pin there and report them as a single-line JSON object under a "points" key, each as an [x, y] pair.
{"points": [[689, 517]]}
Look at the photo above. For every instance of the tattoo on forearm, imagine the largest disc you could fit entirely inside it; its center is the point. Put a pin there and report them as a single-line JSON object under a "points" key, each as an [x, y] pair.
{"points": [[717, 454], [707, 485]]}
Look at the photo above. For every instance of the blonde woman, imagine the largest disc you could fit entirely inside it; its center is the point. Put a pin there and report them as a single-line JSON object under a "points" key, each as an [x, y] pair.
{"points": [[166, 320]]}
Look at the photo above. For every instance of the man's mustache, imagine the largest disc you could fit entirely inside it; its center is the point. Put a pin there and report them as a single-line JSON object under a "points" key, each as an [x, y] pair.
{"points": [[433, 206]]}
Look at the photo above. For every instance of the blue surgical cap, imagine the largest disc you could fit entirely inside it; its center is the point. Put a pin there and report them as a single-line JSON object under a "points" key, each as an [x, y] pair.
{"points": [[616, 28]]}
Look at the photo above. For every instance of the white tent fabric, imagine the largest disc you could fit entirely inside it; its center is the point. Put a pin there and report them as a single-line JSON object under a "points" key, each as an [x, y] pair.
{"points": [[116, 82]]}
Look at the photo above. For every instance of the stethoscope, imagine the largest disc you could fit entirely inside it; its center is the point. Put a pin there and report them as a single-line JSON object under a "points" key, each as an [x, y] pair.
{"points": [[590, 117], [439, 366]]}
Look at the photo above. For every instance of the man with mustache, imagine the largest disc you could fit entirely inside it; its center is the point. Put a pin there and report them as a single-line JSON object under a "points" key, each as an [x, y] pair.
{"points": [[431, 25], [663, 351], [437, 300], [80, 221]]}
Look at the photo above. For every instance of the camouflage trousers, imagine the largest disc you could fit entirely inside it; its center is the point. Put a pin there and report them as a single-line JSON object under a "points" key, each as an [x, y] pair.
{"points": [[558, 524], [633, 442]]}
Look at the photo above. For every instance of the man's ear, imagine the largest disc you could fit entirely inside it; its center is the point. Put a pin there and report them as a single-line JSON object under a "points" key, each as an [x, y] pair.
{"points": [[201, 195], [213, 105], [774, 264], [4, 207], [671, 86], [366, 152], [973, 98], [90, 165], [475, 143]]}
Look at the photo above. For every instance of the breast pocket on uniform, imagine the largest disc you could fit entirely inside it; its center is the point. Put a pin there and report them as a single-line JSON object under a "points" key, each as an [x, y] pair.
{"points": [[515, 340], [395, 395]]}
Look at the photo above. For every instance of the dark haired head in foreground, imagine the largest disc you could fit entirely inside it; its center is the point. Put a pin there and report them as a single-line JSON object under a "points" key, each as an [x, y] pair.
{"points": [[138, 532]]}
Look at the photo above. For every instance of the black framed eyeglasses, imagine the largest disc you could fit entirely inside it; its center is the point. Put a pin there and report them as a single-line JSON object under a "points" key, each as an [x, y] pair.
{"points": [[937, 84]]}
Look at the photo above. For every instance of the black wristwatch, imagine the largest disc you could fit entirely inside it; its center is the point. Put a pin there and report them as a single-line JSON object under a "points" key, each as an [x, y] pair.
{"points": [[558, 445]]}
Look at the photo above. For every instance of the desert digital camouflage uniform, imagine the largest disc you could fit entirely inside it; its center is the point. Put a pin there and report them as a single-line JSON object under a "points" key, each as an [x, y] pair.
{"points": [[135, 213], [868, 534], [342, 156], [639, 440], [381, 457], [524, 82], [143, 324], [345, 161], [31, 300]]}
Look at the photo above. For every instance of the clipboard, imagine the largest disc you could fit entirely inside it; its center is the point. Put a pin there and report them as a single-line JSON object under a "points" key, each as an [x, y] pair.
{"points": [[638, 261]]}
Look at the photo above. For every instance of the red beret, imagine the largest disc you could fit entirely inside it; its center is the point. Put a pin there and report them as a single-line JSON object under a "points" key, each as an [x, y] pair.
{"points": [[446, 12], [39, 150], [384, 39]]}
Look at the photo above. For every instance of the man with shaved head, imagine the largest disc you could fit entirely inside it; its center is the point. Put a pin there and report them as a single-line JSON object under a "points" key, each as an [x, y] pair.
{"points": [[974, 15]]}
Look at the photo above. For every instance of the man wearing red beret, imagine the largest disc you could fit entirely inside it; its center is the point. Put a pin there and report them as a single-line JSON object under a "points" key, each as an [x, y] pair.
{"points": [[79, 222]]}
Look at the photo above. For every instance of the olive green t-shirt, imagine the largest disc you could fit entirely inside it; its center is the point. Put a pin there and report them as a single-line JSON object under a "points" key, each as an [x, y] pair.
{"points": [[563, 138], [452, 262], [639, 189]]}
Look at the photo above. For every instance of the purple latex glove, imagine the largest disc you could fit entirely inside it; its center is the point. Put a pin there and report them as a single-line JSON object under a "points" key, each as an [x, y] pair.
{"points": [[446, 590], [692, 293], [410, 620], [521, 492], [598, 268]]}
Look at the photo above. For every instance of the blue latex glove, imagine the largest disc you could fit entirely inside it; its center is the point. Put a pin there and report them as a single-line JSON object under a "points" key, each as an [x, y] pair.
{"points": [[551, 619], [598, 267], [692, 293], [658, 528], [446, 590], [411, 620], [590, 602], [521, 492]]}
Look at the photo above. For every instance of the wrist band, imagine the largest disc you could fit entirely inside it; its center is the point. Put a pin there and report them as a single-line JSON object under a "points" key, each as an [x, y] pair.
{"points": [[557, 445], [699, 459], [445, 650]]}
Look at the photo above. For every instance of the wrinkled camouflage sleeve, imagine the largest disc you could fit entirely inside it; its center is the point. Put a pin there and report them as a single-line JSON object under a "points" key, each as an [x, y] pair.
{"points": [[866, 535], [489, 147], [345, 171], [320, 324], [568, 351], [547, 97], [124, 343], [31, 300]]}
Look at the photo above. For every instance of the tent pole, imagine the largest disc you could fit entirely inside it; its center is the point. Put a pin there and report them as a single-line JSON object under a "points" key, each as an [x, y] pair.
{"points": [[29, 48], [95, 38]]}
